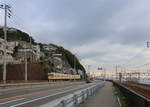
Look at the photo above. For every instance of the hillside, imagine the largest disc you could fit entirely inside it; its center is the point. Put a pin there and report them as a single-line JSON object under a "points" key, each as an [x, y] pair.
{"points": [[71, 58], [15, 35], [68, 56]]}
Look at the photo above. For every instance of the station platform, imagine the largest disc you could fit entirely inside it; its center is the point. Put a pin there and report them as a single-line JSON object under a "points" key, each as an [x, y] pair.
{"points": [[105, 97]]}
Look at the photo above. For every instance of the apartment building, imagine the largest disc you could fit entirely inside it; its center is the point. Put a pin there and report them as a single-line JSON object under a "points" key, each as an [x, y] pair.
{"points": [[9, 52]]}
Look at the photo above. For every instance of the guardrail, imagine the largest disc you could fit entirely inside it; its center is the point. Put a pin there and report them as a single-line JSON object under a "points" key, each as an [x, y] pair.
{"points": [[4, 86], [73, 100], [134, 99]]}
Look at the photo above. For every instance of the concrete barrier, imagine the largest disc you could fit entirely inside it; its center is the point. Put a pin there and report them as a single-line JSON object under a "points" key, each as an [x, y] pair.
{"points": [[4, 86], [73, 100]]}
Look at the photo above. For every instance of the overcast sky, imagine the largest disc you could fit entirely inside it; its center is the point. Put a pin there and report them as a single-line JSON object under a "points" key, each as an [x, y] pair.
{"points": [[100, 32]]}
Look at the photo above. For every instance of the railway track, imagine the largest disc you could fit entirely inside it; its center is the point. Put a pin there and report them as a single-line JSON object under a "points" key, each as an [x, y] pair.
{"points": [[138, 88]]}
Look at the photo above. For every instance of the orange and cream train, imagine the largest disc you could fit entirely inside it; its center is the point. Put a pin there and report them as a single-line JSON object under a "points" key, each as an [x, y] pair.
{"points": [[59, 76]]}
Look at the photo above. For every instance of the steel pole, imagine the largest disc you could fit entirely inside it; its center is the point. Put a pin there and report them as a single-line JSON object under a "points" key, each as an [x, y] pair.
{"points": [[26, 66], [104, 74], [74, 63], [5, 43], [116, 71]]}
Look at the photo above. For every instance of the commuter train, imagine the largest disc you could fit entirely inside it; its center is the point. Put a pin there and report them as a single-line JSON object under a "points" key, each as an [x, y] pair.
{"points": [[60, 76]]}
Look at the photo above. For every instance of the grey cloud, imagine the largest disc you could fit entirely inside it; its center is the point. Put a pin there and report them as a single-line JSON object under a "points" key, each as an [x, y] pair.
{"points": [[90, 18], [93, 54]]}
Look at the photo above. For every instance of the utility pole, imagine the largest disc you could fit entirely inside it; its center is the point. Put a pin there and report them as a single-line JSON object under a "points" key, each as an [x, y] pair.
{"points": [[75, 63], [104, 74], [75, 66], [116, 71], [26, 61], [7, 14], [26, 65], [148, 44], [100, 68]]}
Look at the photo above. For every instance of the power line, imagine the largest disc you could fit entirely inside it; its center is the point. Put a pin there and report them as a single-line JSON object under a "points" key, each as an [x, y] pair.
{"points": [[131, 59]]}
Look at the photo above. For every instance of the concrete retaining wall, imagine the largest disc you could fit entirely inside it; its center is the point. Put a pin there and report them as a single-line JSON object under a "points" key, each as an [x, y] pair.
{"points": [[16, 72]]}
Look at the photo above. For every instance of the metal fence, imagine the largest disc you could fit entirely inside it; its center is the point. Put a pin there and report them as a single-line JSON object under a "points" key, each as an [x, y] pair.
{"points": [[133, 99], [73, 100]]}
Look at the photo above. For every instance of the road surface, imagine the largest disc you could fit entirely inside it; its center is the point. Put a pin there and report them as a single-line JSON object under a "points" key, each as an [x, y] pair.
{"points": [[33, 97]]}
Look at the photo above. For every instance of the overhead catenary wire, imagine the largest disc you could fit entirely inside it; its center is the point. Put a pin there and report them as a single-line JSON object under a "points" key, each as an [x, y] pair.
{"points": [[131, 59]]}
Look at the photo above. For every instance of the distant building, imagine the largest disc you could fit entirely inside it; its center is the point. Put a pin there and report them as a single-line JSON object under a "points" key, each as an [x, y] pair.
{"points": [[33, 51], [30, 54], [102, 74], [12, 45], [95, 74], [50, 47], [9, 52]]}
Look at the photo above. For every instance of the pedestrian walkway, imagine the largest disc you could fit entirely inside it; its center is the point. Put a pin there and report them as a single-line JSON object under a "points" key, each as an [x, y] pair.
{"points": [[105, 97]]}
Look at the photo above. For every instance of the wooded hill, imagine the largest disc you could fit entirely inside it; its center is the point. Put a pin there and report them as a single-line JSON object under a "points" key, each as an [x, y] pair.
{"points": [[15, 34]]}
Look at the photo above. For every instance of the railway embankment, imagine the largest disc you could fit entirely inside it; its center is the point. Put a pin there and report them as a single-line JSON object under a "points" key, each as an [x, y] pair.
{"points": [[134, 94]]}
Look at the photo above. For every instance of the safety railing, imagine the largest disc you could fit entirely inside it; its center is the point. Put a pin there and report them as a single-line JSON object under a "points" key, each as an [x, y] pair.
{"points": [[73, 100]]}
